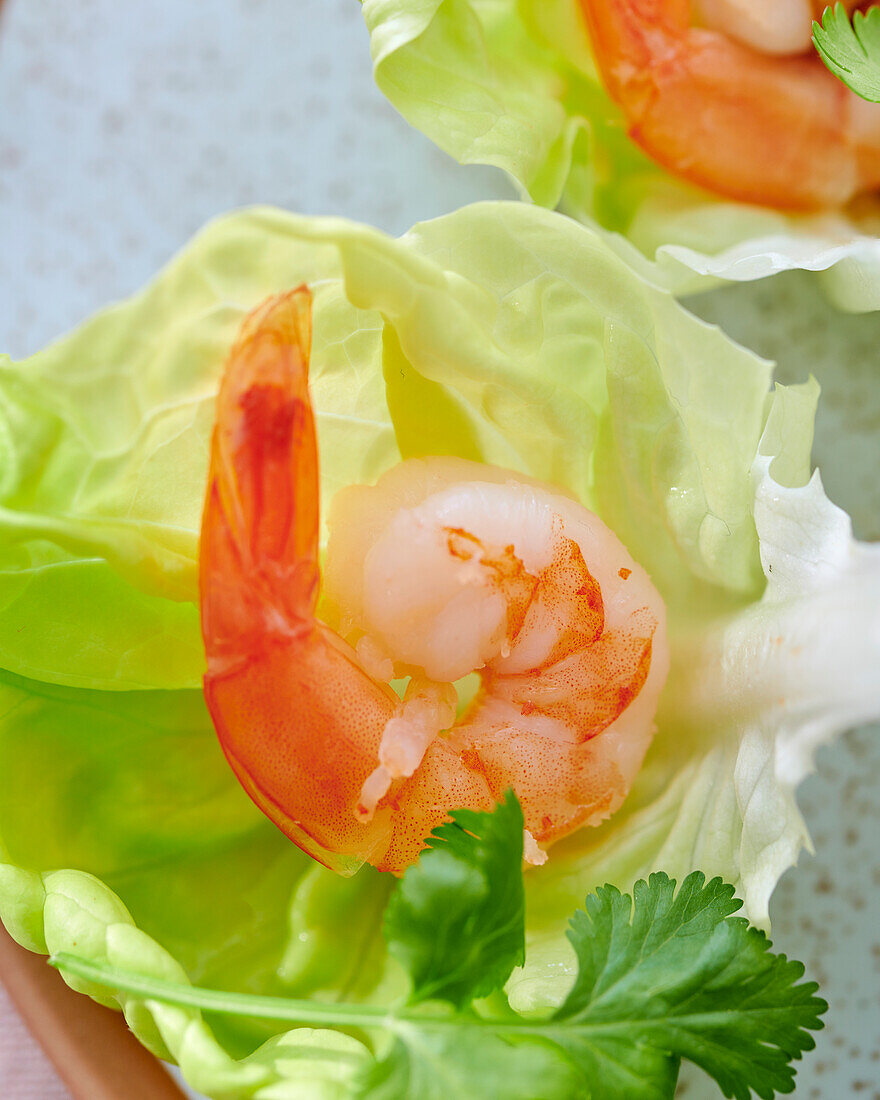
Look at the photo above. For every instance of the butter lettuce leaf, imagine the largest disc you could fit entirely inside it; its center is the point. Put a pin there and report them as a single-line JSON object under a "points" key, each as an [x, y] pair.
{"points": [[80, 914], [512, 83], [104, 467], [503, 333], [133, 787], [478, 354]]}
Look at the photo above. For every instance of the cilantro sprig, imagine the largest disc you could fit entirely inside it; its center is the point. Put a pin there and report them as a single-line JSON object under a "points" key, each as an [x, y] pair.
{"points": [[662, 975], [851, 50], [472, 876]]}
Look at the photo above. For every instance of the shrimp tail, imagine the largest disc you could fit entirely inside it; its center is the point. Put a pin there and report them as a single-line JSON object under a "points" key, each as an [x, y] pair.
{"points": [[277, 681], [258, 558]]}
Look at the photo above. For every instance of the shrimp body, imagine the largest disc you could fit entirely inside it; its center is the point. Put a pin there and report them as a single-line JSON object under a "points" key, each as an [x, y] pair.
{"points": [[448, 566], [736, 104], [443, 568]]}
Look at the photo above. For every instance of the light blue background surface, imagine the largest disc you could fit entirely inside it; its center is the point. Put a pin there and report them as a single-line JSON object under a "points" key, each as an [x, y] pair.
{"points": [[123, 127]]}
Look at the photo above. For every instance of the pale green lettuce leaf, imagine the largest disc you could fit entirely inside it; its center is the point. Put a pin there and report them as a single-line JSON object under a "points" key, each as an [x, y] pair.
{"points": [[81, 915], [466, 72], [511, 83], [482, 356], [503, 333], [102, 468], [330, 954], [132, 787]]}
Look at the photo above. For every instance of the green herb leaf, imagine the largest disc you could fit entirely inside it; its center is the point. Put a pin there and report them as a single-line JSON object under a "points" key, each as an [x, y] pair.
{"points": [[665, 976], [469, 1063], [851, 50], [457, 919]]}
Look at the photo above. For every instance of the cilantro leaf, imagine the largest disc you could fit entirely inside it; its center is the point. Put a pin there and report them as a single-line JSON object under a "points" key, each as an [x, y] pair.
{"points": [[470, 1062], [851, 50], [665, 976], [457, 918]]}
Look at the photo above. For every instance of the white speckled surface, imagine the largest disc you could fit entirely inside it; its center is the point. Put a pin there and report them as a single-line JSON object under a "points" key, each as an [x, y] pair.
{"points": [[123, 127]]}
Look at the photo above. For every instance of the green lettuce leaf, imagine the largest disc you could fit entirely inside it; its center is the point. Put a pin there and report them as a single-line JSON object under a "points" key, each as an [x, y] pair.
{"points": [[80, 914], [324, 955], [467, 363], [512, 83], [503, 333], [103, 468]]}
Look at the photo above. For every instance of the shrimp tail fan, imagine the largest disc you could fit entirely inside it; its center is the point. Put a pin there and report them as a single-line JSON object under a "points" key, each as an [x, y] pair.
{"points": [[260, 527]]}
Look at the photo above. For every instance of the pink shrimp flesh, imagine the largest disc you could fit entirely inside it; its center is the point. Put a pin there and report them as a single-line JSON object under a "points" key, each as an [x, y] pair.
{"points": [[780, 131], [444, 567]]}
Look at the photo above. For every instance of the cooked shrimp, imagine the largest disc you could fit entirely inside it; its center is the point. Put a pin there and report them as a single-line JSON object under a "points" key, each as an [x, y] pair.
{"points": [[717, 104], [445, 567]]}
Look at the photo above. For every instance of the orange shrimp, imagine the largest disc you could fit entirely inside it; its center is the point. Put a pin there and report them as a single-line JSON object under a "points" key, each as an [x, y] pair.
{"points": [[705, 103], [572, 656]]}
